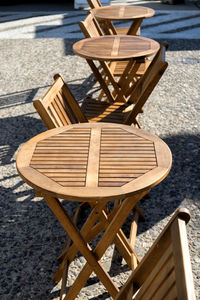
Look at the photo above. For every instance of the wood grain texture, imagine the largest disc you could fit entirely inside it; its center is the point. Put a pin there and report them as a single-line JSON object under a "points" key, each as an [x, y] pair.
{"points": [[122, 13], [100, 48], [165, 271], [99, 159]]}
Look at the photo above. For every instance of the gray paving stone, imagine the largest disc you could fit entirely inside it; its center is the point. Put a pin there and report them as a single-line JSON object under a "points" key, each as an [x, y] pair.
{"points": [[30, 236]]}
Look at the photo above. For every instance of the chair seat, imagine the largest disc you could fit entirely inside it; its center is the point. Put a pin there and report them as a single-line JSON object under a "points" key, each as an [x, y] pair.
{"points": [[120, 66], [99, 111]]}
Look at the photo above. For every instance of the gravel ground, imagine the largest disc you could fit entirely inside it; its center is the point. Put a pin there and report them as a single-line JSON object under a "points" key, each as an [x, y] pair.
{"points": [[30, 236]]}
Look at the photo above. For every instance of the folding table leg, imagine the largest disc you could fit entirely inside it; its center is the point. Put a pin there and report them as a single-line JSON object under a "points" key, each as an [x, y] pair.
{"points": [[121, 242], [72, 251], [134, 29], [82, 246], [117, 88], [86, 232], [99, 77], [128, 76], [106, 240], [76, 216]]}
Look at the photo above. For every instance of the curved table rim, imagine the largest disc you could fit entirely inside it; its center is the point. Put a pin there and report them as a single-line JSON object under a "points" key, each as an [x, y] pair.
{"points": [[144, 182], [97, 13], [85, 54]]}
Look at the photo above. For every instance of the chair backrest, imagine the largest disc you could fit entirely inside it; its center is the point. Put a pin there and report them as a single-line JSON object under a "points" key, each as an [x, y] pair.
{"points": [[165, 271], [58, 107], [146, 84], [90, 27], [94, 3]]}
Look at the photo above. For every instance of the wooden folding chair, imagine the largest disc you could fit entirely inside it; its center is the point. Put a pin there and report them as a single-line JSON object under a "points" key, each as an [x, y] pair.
{"points": [[58, 106], [165, 271], [108, 26]]}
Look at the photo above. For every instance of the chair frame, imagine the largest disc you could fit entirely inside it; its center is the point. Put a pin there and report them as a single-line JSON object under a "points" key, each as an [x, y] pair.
{"points": [[172, 242]]}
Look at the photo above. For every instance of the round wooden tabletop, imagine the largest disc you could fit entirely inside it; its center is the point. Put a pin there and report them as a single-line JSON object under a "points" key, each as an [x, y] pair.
{"points": [[116, 47], [122, 12], [91, 161]]}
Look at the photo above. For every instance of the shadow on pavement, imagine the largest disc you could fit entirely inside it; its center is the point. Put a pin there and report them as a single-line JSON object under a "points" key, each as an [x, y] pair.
{"points": [[31, 237]]}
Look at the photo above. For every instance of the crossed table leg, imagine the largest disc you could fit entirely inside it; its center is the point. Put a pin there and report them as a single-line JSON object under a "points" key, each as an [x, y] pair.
{"points": [[120, 87], [113, 233]]}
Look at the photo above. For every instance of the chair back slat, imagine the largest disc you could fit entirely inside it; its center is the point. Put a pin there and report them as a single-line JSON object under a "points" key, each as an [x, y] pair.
{"points": [[170, 275], [72, 105], [152, 285], [62, 109], [90, 27], [53, 109], [94, 3], [168, 283], [172, 293], [58, 107]]}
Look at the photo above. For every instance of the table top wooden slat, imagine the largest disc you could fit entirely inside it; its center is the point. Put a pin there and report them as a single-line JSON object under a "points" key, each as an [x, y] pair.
{"points": [[122, 12], [115, 47], [93, 161]]}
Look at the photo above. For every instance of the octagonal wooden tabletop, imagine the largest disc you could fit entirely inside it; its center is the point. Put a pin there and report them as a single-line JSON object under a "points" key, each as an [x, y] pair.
{"points": [[116, 47], [122, 12], [90, 161]]}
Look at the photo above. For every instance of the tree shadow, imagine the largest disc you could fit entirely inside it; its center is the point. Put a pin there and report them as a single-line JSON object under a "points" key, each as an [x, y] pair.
{"points": [[17, 98]]}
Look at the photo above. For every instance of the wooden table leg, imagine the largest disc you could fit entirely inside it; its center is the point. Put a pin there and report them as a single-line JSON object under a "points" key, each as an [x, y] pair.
{"points": [[128, 77], [99, 77], [101, 247], [117, 88], [120, 240], [87, 233], [94, 264], [134, 29]]}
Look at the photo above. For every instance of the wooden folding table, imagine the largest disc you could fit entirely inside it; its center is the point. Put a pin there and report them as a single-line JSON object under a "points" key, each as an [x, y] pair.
{"points": [[136, 14], [95, 163], [115, 48]]}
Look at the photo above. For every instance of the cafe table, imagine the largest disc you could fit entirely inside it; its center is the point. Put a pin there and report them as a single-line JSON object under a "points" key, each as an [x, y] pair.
{"points": [[95, 163], [105, 49], [136, 14]]}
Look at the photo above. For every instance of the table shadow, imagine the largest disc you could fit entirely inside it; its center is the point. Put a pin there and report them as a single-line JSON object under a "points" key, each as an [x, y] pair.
{"points": [[31, 237]]}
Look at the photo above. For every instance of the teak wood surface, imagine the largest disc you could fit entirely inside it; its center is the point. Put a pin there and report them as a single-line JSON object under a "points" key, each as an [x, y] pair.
{"points": [[91, 28], [91, 161], [136, 14], [94, 163], [122, 12], [108, 26], [58, 107], [116, 48], [165, 271], [120, 47]]}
